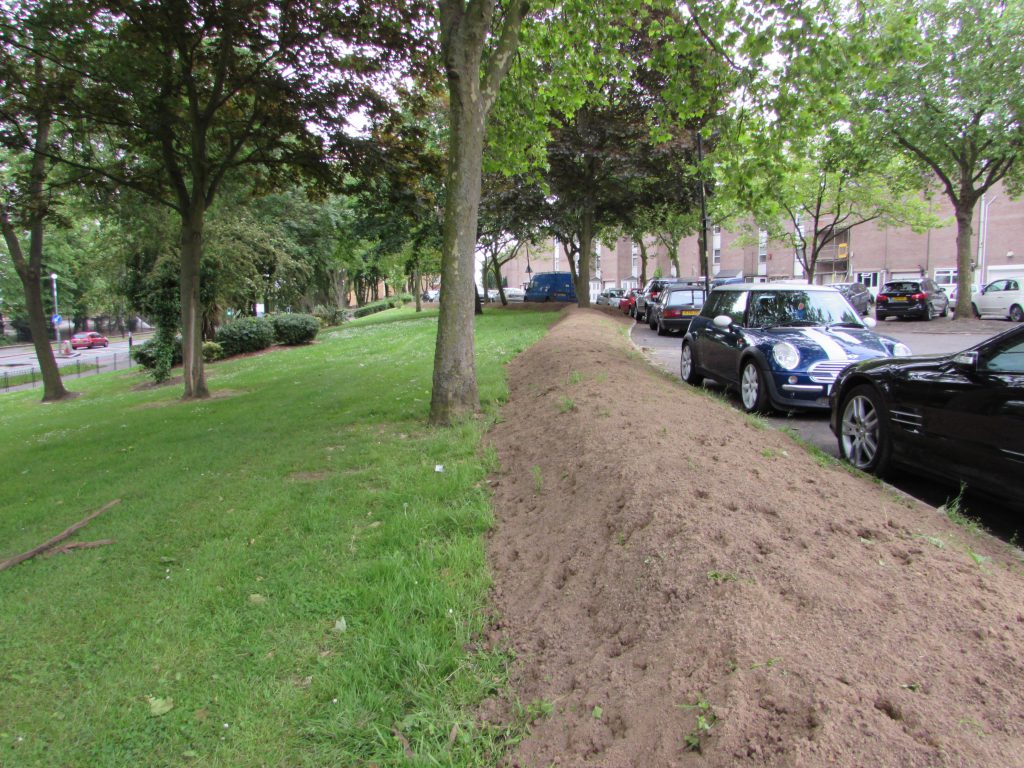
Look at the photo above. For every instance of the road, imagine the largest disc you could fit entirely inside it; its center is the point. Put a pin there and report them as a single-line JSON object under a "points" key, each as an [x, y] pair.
{"points": [[21, 359], [939, 336]]}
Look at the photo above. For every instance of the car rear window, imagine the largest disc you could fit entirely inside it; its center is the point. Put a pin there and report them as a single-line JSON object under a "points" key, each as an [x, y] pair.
{"points": [[679, 298], [902, 286]]}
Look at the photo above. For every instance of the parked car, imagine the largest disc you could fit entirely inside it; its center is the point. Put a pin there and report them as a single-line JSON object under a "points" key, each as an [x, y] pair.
{"points": [[1003, 298], [911, 298], [89, 340], [650, 293], [956, 418], [515, 294], [780, 345], [610, 297], [431, 294], [857, 294], [551, 286], [676, 307], [628, 302]]}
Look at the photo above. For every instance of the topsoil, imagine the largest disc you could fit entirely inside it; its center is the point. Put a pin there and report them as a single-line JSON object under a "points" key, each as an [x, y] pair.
{"points": [[683, 586]]}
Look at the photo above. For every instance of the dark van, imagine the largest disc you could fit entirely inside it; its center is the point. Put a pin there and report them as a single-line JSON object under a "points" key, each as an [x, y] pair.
{"points": [[551, 286]]}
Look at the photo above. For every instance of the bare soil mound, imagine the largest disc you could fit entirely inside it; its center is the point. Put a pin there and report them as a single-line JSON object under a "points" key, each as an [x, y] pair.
{"points": [[685, 587]]}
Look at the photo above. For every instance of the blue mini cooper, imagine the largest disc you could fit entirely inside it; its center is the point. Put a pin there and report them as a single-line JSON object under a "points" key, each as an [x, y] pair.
{"points": [[781, 345]]}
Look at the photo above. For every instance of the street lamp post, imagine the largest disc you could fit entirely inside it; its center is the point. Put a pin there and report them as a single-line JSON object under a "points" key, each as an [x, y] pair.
{"points": [[56, 312]]}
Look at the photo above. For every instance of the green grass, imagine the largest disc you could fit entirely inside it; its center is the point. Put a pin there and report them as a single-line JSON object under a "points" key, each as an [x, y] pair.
{"points": [[290, 572]]}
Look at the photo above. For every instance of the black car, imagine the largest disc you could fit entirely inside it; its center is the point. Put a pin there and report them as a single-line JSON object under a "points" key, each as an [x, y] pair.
{"points": [[676, 307], [650, 294], [920, 298], [857, 294], [953, 417]]}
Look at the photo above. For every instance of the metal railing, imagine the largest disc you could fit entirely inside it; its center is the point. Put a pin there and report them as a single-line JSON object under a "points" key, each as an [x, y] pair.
{"points": [[17, 377]]}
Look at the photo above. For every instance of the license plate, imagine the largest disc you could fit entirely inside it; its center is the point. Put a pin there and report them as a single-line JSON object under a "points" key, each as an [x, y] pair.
{"points": [[899, 298], [688, 312]]}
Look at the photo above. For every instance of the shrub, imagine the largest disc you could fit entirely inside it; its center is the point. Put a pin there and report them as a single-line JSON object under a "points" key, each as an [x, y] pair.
{"points": [[212, 351], [246, 334], [329, 315], [159, 355], [292, 329], [379, 306]]}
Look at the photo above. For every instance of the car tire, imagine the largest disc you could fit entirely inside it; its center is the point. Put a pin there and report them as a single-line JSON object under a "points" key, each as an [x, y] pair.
{"points": [[945, 310], [651, 324], [753, 388], [864, 430], [1016, 313], [688, 367], [880, 316], [661, 330], [975, 312]]}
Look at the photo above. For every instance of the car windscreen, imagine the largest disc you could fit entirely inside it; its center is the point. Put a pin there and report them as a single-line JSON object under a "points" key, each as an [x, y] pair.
{"points": [[774, 308], [681, 298], [905, 287]]}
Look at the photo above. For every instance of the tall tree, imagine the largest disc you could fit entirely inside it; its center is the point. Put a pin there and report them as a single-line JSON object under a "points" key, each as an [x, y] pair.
{"points": [[35, 38], [478, 41], [189, 93], [943, 82]]}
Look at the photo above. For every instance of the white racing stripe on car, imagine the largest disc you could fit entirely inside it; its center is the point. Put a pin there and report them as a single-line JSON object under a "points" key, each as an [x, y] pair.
{"points": [[831, 347], [845, 337]]}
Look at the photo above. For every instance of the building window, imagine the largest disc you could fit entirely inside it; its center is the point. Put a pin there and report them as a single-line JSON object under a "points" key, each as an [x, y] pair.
{"points": [[762, 246], [946, 276], [716, 229], [716, 258], [870, 279], [635, 263]]}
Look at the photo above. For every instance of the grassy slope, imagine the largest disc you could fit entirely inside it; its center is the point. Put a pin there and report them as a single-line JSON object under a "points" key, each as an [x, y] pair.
{"points": [[250, 524]]}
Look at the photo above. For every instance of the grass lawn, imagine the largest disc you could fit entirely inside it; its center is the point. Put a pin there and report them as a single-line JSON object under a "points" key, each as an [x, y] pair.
{"points": [[292, 583]]}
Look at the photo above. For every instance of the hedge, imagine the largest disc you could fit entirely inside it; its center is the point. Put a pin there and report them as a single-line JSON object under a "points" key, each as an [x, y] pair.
{"points": [[292, 329], [246, 334]]}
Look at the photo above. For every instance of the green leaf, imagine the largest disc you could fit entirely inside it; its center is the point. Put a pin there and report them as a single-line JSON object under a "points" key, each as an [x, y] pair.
{"points": [[159, 707], [597, 713]]}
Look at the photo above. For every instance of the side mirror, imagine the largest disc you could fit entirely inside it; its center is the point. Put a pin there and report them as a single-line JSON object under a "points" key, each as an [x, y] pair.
{"points": [[870, 322], [966, 362], [722, 321]]}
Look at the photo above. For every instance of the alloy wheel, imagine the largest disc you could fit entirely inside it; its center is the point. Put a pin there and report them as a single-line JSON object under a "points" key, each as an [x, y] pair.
{"points": [[859, 434]]}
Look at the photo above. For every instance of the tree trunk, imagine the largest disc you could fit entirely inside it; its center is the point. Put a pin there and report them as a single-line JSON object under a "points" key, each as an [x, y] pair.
{"points": [[191, 308], [586, 247], [497, 281], [454, 388], [643, 263], [30, 271], [417, 291], [965, 275]]}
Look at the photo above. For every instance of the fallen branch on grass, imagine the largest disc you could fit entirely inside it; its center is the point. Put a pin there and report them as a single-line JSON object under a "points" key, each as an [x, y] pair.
{"points": [[73, 545], [51, 543]]}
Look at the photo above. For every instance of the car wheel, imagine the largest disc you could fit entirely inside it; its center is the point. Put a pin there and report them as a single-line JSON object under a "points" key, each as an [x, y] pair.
{"points": [[864, 431], [651, 324], [687, 369], [928, 311], [945, 310], [661, 330], [753, 390], [975, 312], [1016, 313]]}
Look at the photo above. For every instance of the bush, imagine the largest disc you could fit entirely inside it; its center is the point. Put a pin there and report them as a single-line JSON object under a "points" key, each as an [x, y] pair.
{"points": [[329, 316], [159, 355], [246, 334], [379, 306], [212, 351], [292, 329]]}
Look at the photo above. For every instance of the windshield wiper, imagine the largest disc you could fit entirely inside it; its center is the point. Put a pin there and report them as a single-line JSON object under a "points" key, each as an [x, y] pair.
{"points": [[801, 323], [845, 324]]}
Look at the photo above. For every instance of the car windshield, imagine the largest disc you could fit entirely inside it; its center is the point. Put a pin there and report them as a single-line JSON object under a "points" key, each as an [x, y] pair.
{"points": [[679, 298], [797, 307], [901, 287]]}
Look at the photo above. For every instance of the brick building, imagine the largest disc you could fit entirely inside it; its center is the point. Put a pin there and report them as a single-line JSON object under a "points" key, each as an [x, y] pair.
{"points": [[868, 253]]}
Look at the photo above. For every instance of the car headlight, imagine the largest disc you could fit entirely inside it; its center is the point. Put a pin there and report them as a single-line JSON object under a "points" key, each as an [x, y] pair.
{"points": [[901, 350], [786, 355]]}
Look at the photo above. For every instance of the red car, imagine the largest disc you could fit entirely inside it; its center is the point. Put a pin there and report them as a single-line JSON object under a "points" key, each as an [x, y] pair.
{"points": [[628, 302], [88, 340]]}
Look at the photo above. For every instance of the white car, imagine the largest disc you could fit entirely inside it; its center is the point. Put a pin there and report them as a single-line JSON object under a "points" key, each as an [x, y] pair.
{"points": [[610, 296], [515, 294], [1002, 298]]}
